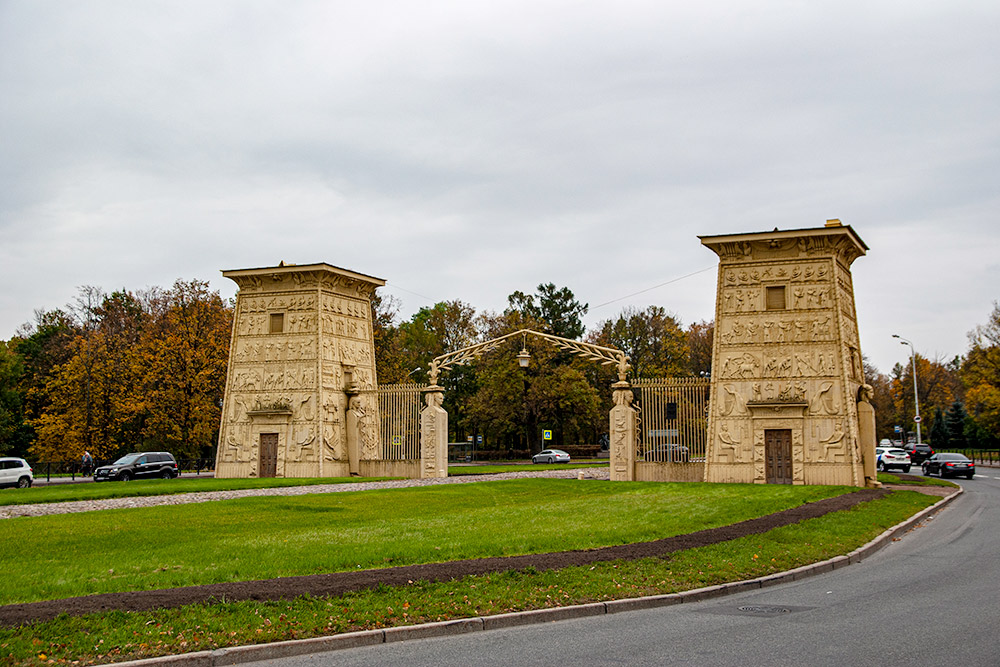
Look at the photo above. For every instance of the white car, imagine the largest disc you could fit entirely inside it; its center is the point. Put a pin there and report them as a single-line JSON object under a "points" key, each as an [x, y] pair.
{"points": [[892, 457], [550, 456], [15, 472]]}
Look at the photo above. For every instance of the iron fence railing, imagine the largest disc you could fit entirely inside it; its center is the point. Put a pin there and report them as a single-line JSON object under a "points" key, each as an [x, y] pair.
{"points": [[74, 469]]}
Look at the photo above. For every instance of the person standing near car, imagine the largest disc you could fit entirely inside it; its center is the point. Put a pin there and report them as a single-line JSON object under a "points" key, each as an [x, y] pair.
{"points": [[88, 464]]}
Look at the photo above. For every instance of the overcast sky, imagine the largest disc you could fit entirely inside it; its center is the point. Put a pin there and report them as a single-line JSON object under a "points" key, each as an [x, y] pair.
{"points": [[464, 150]]}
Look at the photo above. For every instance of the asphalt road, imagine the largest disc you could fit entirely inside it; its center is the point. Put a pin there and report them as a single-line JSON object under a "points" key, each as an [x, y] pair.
{"points": [[930, 598]]}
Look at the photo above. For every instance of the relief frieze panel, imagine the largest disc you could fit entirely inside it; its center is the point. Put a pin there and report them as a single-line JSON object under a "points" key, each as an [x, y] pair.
{"points": [[287, 302], [275, 349], [336, 305], [777, 329], [767, 273]]}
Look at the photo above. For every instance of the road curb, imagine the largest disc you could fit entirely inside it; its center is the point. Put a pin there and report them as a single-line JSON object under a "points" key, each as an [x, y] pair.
{"points": [[227, 657]]}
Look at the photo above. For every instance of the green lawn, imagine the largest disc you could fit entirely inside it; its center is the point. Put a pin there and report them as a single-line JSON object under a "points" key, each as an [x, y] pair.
{"points": [[60, 556], [644, 509], [58, 493]]}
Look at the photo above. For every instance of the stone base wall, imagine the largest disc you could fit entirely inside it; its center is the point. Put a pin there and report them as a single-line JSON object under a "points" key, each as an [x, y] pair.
{"points": [[669, 472]]}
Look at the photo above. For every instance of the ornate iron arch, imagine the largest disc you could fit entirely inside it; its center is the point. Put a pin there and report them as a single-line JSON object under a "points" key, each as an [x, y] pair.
{"points": [[606, 356]]}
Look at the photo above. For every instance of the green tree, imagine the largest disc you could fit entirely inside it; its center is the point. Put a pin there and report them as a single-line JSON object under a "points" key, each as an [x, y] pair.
{"points": [[939, 431], [954, 420], [557, 309], [13, 431]]}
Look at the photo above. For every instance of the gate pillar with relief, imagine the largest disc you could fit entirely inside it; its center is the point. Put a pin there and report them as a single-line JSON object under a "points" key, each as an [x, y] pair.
{"points": [[622, 433], [786, 360], [433, 434]]}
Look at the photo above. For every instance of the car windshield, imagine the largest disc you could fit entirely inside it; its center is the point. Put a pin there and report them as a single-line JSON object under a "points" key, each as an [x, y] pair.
{"points": [[125, 460]]}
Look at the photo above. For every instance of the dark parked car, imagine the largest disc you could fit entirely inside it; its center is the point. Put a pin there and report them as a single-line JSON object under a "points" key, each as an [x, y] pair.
{"points": [[144, 465], [949, 465], [918, 452]]}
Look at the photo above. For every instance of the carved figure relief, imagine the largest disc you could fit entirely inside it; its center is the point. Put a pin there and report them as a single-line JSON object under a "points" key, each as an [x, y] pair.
{"points": [[732, 401], [825, 402]]}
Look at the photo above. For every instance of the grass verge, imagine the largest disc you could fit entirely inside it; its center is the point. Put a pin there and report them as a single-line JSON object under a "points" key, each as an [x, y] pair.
{"points": [[454, 471], [61, 556], [889, 478], [115, 636], [60, 493]]}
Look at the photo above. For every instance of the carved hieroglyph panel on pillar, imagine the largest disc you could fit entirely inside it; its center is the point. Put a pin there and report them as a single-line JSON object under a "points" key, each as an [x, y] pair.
{"points": [[786, 355], [301, 344]]}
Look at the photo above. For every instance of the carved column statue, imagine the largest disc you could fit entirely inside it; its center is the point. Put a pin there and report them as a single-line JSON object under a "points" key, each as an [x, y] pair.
{"points": [[433, 434], [623, 433], [866, 435], [355, 420]]}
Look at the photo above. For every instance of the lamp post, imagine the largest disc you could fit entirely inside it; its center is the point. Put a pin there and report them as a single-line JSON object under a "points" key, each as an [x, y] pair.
{"points": [[916, 396]]}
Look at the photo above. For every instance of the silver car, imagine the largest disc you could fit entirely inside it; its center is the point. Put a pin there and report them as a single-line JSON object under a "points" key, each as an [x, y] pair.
{"points": [[550, 456]]}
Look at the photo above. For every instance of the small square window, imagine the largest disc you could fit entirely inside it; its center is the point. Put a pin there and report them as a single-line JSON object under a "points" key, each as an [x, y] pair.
{"points": [[776, 297], [277, 322]]}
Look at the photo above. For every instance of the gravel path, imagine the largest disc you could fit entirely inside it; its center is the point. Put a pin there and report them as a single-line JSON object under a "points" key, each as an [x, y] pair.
{"points": [[41, 509]]}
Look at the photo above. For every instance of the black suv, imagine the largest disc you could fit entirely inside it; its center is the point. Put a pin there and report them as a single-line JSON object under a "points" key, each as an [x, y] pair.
{"points": [[144, 465], [918, 453]]}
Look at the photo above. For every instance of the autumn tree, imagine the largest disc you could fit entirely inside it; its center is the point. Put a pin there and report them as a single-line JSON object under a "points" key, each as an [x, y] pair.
{"points": [[389, 359], [95, 394], [981, 375], [184, 355], [652, 338], [699, 341]]}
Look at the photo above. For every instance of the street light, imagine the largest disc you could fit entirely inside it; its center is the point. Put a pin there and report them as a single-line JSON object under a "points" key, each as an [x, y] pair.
{"points": [[916, 397]]}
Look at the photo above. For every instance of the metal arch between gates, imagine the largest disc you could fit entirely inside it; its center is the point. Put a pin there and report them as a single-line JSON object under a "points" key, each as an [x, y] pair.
{"points": [[606, 356]]}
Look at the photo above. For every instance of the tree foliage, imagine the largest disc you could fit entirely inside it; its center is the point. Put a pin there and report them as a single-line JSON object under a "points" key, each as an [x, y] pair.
{"points": [[125, 371], [981, 375]]}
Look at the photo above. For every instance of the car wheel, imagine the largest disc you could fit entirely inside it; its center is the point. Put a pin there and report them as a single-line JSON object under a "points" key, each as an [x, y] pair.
{"points": [[125, 477], [880, 467], [925, 470], [23, 483], [166, 474], [906, 468], [969, 476], [552, 459]]}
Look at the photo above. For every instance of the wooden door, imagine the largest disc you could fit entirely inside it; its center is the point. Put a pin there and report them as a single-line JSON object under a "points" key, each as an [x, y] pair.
{"points": [[268, 454], [778, 455]]}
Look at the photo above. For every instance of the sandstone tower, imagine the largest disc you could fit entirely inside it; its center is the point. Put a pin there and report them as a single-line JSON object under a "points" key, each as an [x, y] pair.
{"points": [[301, 370], [787, 375]]}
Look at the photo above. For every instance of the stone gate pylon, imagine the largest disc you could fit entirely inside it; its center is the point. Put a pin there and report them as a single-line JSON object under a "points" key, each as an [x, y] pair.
{"points": [[787, 375], [301, 375]]}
